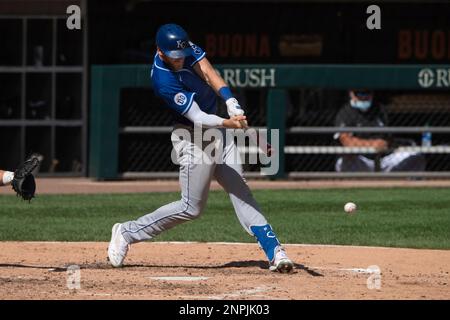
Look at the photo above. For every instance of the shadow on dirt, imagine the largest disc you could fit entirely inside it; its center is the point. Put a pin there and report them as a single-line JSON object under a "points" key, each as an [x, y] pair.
{"points": [[17, 265], [234, 264]]}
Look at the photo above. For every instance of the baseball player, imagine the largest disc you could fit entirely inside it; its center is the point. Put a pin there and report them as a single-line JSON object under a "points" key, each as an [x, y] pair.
{"points": [[184, 78]]}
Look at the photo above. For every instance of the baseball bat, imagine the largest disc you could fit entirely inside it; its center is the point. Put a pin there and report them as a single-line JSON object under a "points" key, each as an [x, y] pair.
{"points": [[257, 139]]}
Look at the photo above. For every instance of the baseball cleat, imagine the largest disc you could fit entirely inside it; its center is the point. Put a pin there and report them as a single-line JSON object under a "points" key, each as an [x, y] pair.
{"points": [[281, 262], [118, 247]]}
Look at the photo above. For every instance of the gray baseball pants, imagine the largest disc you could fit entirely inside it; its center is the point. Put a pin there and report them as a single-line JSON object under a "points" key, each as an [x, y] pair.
{"points": [[195, 177]]}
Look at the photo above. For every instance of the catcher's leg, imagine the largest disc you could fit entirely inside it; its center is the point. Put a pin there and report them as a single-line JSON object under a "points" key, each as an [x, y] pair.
{"points": [[195, 179]]}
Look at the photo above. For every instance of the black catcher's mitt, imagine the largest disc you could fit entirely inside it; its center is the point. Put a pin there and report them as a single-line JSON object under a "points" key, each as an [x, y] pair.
{"points": [[23, 183]]}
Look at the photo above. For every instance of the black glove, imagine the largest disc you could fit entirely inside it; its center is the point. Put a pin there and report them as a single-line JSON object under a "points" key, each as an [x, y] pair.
{"points": [[23, 182]]}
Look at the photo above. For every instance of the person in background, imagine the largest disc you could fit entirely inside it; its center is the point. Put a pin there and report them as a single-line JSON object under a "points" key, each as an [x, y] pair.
{"points": [[362, 110]]}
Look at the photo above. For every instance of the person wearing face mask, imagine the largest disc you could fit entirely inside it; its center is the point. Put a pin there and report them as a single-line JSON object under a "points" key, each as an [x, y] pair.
{"points": [[363, 111]]}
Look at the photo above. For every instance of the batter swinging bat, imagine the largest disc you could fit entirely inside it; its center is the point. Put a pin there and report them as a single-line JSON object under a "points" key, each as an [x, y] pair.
{"points": [[257, 139]]}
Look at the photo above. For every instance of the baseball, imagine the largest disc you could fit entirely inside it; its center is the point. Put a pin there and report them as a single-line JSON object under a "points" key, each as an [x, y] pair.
{"points": [[350, 207]]}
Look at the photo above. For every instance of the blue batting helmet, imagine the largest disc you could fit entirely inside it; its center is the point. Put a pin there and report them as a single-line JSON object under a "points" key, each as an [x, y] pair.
{"points": [[173, 41]]}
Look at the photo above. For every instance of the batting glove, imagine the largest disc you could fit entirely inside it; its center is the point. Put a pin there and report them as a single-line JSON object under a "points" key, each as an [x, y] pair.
{"points": [[233, 107]]}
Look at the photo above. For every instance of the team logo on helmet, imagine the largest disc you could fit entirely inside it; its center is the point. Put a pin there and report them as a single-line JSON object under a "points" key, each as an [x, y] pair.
{"points": [[180, 99], [182, 44]]}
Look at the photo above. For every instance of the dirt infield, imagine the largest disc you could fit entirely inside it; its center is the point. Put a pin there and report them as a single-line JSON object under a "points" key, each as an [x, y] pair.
{"points": [[160, 271]]}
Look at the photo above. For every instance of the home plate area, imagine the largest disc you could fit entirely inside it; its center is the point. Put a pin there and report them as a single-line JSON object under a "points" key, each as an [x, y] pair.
{"points": [[217, 271]]}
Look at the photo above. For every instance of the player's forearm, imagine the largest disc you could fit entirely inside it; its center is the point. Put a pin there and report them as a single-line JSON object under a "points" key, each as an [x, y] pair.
{"points": [[206, 120], [350, 141], [209, 74], [216, 82], [203, 119]]}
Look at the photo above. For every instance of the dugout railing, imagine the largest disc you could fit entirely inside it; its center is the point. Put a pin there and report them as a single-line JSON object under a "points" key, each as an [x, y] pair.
{"points": [[107, 129]]}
